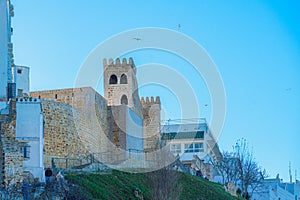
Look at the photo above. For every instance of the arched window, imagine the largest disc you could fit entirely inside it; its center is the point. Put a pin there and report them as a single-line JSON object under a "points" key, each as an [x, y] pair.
{"points": [[113, 79], [123, 79], [124, 100]]}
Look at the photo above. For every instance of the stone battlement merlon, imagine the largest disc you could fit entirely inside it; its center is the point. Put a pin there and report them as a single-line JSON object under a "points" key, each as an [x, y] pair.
{"points": [[149, 101], [28, 100], [117, 62]]}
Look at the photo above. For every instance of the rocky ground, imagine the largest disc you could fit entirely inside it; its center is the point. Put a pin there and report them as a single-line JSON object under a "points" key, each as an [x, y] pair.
{"points": [[37, 191]]}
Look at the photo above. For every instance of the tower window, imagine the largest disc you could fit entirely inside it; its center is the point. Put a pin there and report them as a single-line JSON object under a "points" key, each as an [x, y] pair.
{"points": [[113, 79], [124, 100], [19, 71], [123, 79], [55, 96]]}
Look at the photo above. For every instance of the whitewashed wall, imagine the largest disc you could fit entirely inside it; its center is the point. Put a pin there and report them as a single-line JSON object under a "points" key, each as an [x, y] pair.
{"points": [[21, 76], [29, 128], [3, 47]]}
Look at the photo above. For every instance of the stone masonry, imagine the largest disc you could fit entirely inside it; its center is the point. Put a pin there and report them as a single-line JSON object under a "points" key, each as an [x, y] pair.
{"points": [[75, 122], [120, 81], [151, 116], [79, 121], [10, 156]]}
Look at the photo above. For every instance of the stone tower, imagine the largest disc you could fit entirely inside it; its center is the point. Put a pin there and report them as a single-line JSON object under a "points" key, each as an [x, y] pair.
{"points": [[151, 123], [120, 84]]}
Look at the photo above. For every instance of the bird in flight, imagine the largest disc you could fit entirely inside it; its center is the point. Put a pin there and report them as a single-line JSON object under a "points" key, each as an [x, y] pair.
{"points": [[288, 89], [137, 39]]}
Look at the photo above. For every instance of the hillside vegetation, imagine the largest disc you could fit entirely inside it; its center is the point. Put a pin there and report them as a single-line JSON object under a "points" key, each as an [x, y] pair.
{"points": [[122, 185]]}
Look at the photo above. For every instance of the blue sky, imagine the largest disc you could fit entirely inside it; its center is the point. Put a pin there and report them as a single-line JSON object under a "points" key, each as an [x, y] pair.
{"points": [[255, 44]]}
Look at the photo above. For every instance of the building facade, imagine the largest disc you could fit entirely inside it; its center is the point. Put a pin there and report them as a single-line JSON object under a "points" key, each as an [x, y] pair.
{"points": [[6, 56], [194, 144], [275, 189], [30, 135]]}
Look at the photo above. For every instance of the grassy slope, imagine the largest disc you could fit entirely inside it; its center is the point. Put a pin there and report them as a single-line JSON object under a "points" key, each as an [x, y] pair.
{"points": [[120, 185]]}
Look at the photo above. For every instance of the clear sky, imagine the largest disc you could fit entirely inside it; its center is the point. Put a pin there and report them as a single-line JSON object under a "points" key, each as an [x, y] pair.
{"points": [[255, 44]]}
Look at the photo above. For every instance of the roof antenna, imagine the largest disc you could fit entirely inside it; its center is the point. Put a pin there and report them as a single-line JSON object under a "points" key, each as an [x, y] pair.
{"points": [[290, 172]]}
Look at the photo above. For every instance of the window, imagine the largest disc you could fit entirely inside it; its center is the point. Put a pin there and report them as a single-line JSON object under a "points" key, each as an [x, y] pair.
{"points": [[188, 148], [113, 79], [19, 71], [123, 79], [55, 96], [176, 148], [124, 100], [20, 92], [198, 147], [25, 150], [194, 147]]}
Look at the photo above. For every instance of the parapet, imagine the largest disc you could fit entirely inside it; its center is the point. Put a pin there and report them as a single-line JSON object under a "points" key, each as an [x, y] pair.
{"points": [[117, 62], [150, 101], [28, 100]]}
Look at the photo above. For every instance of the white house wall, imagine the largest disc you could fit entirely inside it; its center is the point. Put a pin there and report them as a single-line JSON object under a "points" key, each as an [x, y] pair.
{"points": [[21, 76], [4, 39], [29, 128]]}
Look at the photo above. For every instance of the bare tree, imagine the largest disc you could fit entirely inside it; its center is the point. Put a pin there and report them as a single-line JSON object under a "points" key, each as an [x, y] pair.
{"points": [[239, 167], [227, 167], [164, 184], [164, 181], [250, 173]]}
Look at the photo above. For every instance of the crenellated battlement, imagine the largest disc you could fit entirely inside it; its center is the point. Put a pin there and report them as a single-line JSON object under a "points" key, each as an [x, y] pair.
{"points": [[28, 100], [150, 100], [117, 62]]}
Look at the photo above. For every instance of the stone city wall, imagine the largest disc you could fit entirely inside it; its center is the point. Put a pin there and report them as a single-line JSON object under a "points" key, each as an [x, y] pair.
{"points": [[60, 136], [76, 122], [10, 156]]}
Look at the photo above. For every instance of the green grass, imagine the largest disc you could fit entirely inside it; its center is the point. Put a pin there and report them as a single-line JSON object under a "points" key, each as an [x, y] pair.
{"points": [[121, 185]]}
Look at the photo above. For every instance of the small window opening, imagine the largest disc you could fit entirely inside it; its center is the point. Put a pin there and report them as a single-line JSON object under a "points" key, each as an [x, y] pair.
{"points": [[20, 92], [113, 79], [124, 100], [123, 79], [25, 150]]}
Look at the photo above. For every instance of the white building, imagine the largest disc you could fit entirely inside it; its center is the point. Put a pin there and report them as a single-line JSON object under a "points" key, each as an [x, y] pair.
{"points": [[30, 132], [195, 145], [276, 189], [21, 77], [6, 56], [15, 79]]}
